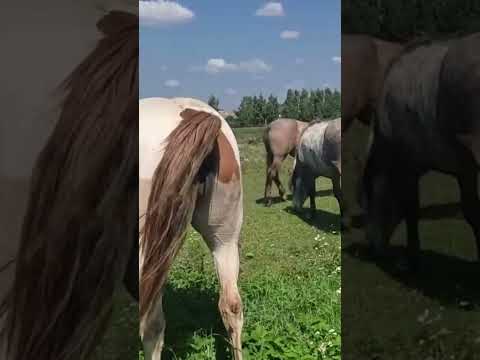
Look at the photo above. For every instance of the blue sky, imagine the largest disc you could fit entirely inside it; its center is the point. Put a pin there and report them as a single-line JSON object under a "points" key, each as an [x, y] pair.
{"points": [[235, 48]]}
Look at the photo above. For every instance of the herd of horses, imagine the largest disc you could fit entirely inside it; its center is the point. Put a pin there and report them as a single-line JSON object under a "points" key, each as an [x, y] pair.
{"points": [[420, 100]]}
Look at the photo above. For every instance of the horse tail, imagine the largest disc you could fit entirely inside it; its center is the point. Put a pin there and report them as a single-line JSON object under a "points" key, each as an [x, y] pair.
{"points": [[80, 222], [172, 198]]}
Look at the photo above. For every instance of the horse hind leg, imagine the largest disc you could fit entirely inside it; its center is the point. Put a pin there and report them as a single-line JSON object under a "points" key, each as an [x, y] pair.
{"points": [[227, 264], [152, 331], [268, 181], [277, 163]]}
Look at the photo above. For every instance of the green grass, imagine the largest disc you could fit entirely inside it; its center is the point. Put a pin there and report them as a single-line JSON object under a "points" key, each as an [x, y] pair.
{"points": [[121, 340], [289, 279], [434, 314]]}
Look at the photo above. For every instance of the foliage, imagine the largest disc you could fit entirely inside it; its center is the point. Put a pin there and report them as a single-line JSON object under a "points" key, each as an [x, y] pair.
{"points": [[302, 105], [214, 102], [407, 19]]}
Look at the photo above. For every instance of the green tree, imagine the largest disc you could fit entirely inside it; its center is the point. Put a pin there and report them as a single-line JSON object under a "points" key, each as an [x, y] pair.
{"points": [[246, 112], [306, 108], [214, 102], [290, 105], [272, 109]]}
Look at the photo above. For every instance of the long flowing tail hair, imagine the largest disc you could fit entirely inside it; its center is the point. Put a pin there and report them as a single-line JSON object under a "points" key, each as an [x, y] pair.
{"points": [[80, 222], [187, 157]]}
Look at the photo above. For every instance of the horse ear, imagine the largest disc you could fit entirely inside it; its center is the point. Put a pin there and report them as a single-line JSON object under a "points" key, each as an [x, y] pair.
{"points": [[117, 21]]}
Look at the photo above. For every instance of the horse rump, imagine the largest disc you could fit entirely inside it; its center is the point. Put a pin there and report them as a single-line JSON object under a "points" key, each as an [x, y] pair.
{"points": [[171, 202]]}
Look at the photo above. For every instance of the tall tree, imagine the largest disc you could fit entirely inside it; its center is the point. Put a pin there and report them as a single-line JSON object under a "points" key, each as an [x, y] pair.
{"points": [[214, 102]]}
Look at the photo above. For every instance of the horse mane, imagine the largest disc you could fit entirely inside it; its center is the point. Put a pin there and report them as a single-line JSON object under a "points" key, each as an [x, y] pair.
{"points": [[81, 217]]}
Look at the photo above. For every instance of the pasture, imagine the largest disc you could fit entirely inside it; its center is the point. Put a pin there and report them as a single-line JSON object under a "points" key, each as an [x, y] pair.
{"points": [[289, 278], [430, 315]]}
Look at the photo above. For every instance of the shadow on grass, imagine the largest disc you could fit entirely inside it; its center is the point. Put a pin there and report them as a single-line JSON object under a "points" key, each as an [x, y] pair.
{"points": [[190, 311], [278, 199], [450, 280], [322, 220], [428, 212]]}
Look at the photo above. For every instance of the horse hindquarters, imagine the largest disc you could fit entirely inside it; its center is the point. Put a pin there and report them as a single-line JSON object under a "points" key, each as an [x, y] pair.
{"points": [[218, 218], [171, 195]]}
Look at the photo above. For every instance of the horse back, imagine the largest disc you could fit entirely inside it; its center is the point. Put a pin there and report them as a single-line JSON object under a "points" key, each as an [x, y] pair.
{"points": [[311, 149], [280, 136], [407, 110]]}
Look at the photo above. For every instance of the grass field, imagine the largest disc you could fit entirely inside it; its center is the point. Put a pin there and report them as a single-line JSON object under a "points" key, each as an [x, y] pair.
{"points": [[289, 280], [434, 314]]}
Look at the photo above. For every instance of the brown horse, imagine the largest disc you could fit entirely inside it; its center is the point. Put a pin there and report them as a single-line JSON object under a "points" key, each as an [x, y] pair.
{"points": [[364, 62], [189, 173], [280, 138], [80, 225]]}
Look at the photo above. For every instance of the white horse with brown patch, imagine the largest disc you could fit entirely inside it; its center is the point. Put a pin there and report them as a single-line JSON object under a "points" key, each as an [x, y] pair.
{"points": [[189, 172]]}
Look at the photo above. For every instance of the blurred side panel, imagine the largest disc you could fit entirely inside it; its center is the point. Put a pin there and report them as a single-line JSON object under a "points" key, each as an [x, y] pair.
{"points": [[68, 179], [410, 144]]}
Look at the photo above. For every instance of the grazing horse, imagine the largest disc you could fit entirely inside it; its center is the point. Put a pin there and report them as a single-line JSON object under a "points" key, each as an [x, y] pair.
{"points": [[80, 224], [318, 154], [280, 138], [428, 119], [364, 62], [189, 173]]}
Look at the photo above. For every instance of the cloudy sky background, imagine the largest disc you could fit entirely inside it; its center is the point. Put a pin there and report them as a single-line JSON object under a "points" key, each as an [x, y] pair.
{"points": [[237, 48]]}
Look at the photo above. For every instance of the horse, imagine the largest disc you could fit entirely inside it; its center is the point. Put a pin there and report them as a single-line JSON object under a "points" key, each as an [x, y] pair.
{"points": [[364, 62], [318, 154], [79, 230], [280, 139], [189, 172], [427, 119]]}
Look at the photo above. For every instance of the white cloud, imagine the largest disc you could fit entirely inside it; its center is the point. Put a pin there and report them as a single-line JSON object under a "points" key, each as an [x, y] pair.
{"points": [[172, 83], [218, 65], [255, 66], [299, 61], [163, 12], [271, 9], [230, 91], [289, 35], [337, 59], [215, 66]]}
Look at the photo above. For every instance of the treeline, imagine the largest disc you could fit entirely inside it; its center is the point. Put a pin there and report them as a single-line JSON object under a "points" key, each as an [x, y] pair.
{"points": [[299, 104], [408, 19]]}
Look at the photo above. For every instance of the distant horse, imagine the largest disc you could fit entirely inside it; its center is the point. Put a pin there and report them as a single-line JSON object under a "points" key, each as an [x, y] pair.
{"points": [[189, 173], [364, 62], [280, 138], [318, 154], [428, 119], [80, 228]]}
